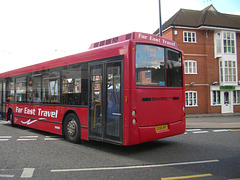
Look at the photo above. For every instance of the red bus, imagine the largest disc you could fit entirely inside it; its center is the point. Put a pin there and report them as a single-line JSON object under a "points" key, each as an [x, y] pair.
{"points": [[124, 90]]}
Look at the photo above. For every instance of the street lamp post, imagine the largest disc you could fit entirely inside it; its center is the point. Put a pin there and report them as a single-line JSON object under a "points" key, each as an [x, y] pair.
{"points": [[160, 19]]}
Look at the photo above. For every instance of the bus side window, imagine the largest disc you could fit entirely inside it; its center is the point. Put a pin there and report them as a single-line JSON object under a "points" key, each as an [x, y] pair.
{"points": [[37, 88], [30, 89], [74, 84], [84, 91], [10, 90], [51, 87], [21, 90], [71, 85]]}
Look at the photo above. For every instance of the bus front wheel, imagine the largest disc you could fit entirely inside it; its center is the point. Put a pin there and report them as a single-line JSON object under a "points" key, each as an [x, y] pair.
{"points": [[71, 127]]}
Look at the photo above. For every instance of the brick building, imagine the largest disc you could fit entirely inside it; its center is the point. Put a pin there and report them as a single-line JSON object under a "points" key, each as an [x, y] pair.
{"points": [[211, 44]]}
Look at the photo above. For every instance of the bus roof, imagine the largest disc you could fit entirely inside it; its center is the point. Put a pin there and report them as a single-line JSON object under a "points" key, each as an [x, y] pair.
{"points": [[72, 59], [136, 36]]}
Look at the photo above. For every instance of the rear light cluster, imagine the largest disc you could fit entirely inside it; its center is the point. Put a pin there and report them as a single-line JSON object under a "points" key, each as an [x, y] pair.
{"points": [[184, 113], [134, 121]]}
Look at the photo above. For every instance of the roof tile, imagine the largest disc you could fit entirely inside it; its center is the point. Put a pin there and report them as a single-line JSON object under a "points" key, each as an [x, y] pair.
{"points": [[209, 16]]}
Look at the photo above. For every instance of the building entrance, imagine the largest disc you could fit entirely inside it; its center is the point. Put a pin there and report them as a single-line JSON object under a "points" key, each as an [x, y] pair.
{"points": [[227, 101]]}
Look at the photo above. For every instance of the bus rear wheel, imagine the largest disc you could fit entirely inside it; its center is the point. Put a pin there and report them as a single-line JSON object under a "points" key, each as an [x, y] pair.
{"points": [[71, 127]]}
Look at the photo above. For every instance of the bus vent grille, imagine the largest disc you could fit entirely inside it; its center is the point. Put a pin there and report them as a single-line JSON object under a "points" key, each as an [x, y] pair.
{"points": [[96, 44], [102, 43], [115, 40], [109, 41]]}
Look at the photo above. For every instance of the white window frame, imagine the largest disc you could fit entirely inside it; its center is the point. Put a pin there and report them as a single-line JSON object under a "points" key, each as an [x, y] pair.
{"points": [[191, 99], [236, 97], [215, 97], [229, 42], [189, 36], [228, 71], [190, 67], [225, 43], [218, 43]]}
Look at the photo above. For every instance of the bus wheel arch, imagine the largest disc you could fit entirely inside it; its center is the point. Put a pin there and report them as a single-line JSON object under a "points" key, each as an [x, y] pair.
{"points": [[71, 128]]}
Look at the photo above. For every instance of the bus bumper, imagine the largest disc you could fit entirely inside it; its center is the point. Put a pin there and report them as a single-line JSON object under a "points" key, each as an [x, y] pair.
{"points": [[150, 133]]}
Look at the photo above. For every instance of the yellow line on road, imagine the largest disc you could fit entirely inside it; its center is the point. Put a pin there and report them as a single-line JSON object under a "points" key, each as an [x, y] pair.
{"points": [[234, 129], [186, 177], [237, 123]]}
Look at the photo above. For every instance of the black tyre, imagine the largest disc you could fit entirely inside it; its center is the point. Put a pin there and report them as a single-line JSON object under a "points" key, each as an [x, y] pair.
{"points": [[72, 131]]}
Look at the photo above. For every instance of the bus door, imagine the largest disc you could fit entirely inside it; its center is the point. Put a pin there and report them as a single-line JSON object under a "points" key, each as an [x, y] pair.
{"points": [[2, 99], [105, 101]]}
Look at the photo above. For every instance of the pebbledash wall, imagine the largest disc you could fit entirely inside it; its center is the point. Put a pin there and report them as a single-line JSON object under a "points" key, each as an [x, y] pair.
{"points": [[212, 65]]}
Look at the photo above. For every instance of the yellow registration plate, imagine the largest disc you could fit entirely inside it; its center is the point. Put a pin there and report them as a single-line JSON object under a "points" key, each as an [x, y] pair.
{"points": [[160, 128]]}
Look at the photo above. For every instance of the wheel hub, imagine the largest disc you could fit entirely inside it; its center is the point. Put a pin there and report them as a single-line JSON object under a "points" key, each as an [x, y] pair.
{"points": [[71, 127]]}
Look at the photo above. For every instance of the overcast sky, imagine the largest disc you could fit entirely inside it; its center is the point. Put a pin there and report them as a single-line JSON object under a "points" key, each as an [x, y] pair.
{"points": [[33, 31]]}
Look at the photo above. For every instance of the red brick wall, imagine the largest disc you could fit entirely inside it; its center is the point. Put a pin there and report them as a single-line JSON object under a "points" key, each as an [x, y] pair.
{"points": [[168, 34], [207, 67], [198, 52], [202, 106], [236, 108]]}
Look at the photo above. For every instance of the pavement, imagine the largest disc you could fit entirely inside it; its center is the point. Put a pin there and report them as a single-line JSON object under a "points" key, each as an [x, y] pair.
{"points": [[213, 121]]}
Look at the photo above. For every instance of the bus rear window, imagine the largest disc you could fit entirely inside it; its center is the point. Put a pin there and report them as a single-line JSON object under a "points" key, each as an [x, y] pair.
{"points": [[150, 65], [158, 66], [174, 69]]}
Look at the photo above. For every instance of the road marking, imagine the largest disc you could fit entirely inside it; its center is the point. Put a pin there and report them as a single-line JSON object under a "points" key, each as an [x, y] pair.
{"points": [[5, 137], [53, 136], [191, 130], [28, 136], [6, 176], [186, 177], [51, 139], [221, 130], [134, 167], [27, 172], [198, 132], [26, 139], [237, 123]]}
